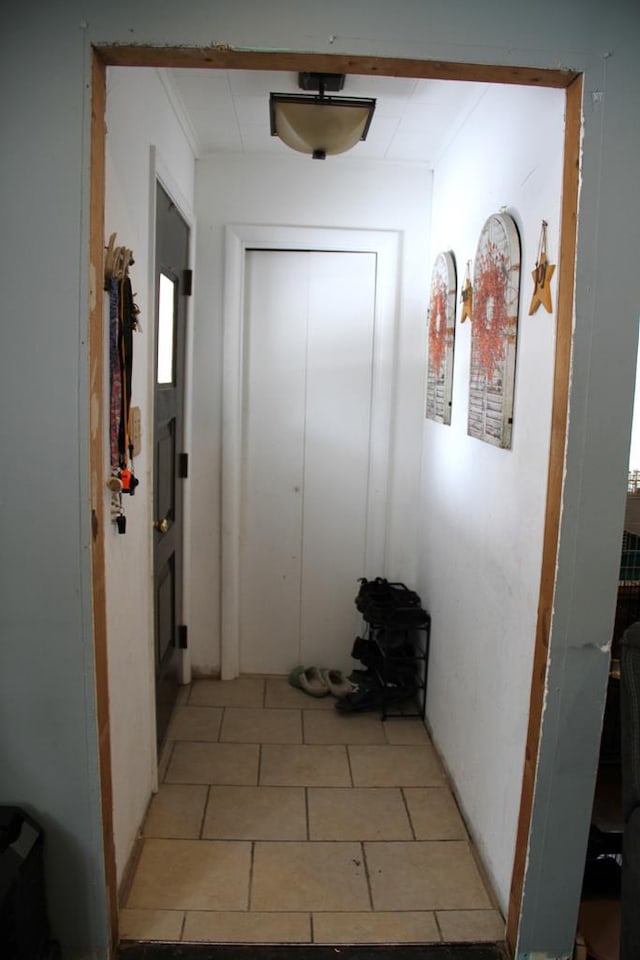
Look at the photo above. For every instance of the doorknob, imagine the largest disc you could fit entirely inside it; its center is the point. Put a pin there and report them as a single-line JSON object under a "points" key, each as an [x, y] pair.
{"points": [[161, 525]]}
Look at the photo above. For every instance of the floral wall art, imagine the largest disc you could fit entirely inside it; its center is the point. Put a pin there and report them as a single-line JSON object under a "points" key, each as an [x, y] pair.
{"points": [[441, 337], [496, 290]]}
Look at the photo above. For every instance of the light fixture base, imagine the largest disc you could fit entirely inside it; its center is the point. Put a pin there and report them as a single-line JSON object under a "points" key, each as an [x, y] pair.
{"points": [[331, 82]]}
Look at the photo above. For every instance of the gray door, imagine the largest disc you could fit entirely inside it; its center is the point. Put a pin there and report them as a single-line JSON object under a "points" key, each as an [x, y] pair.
{"points": [[172, 255]]}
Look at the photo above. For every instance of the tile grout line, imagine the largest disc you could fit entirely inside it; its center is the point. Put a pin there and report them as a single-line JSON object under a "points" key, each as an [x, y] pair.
{"points": [[306, 810], [367, 877], [250, 885], [259, 772], [220, 728], [406, 807], [346, 747], [182, 926], [204, 811], [218, 740], [384, 730], [169, 761], [312, 929], [438, 927]]}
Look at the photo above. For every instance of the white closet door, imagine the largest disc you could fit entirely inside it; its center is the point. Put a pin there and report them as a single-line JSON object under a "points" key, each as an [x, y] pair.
{"points": [[337, 442], [277, 285], [307, 411]]}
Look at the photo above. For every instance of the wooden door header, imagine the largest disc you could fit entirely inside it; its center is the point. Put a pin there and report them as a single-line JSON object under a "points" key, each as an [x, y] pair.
{"points": [[226, 58]]}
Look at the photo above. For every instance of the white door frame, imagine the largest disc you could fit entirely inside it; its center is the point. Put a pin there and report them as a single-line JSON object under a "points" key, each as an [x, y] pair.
{"points": [[238, 238]]}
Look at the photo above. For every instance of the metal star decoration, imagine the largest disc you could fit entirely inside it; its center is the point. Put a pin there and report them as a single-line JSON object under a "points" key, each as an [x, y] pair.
{"points": [[542, 276]]}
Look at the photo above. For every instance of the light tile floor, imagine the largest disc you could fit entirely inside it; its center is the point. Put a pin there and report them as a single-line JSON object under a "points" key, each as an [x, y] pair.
{"points": [[279, 820]]}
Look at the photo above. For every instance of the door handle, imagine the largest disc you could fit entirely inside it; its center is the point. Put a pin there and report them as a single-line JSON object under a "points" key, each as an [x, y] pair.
{"points": [[161, 525]]}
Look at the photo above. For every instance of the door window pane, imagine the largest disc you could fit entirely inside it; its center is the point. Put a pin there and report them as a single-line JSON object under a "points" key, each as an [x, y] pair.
{"points": [[166, 317]]}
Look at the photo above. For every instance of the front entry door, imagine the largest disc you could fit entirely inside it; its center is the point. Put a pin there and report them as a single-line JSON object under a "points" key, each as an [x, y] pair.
{"points": [[306, 455], [172, 260]]}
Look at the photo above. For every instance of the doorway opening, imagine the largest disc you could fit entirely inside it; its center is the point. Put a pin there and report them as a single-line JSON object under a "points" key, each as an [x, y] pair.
{"points": [[141, 57]]}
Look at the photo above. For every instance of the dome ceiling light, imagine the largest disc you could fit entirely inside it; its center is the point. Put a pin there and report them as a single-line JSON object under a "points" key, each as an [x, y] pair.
{"points": [[320, 125]]}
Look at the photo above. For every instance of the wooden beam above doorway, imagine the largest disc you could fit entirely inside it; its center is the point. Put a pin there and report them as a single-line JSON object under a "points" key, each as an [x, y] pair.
{"points": [[223, 57]]}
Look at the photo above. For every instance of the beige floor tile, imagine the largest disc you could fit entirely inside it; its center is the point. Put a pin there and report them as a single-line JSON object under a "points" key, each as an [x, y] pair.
{"points": [[405, 730], [358, 813], [176, 811], [309, 876], [247, 927], [305, 765], [256, 725], [333, 727], [396, 766], [471, 926], [256, 813], [151, 924], [242, 692], [434, 814], [424, 876], [361, 852], [229, 763], [195, 723], [191, 875], [184, 692], [401, 927]]}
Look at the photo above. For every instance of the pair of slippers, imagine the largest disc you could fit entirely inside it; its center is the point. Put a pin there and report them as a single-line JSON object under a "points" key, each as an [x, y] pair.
{"points": [[319, 682]]}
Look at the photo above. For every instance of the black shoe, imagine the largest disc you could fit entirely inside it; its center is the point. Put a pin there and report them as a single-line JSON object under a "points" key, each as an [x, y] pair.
{"points": [[367, 652], [365, 697], [374, 697]]}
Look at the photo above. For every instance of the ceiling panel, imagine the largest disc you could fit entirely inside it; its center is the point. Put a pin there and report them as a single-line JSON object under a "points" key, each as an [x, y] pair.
{"points": [[229, 111]]}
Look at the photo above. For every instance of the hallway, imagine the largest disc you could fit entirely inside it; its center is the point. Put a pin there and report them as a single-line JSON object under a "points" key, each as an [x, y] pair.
{"points": [[279, 820]]}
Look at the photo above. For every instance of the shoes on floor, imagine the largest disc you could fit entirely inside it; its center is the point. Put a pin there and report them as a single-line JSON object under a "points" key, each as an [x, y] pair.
{"points": [[338, 684], [318, 682], [309, 680], [371, 694]]}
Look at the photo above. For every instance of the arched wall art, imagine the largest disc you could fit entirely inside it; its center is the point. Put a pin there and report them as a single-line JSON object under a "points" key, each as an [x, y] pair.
{"points": [[441, 337], [496, 292]]}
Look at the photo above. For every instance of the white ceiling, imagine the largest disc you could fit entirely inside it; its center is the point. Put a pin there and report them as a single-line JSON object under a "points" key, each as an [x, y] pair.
{"points": [[227, 111]]}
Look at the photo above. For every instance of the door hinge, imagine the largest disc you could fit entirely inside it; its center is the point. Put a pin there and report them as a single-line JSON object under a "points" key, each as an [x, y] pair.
{"points": [[181, 636], [187, 283], [183, 466]]}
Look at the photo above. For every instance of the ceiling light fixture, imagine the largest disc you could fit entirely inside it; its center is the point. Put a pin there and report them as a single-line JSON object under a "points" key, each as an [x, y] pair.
{"points": [[320, 125]]}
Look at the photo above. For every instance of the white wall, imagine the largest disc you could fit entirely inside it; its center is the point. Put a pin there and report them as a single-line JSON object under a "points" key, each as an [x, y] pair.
{"points": [[48, 747], [299, 191], [139, 116], [483, 507]]}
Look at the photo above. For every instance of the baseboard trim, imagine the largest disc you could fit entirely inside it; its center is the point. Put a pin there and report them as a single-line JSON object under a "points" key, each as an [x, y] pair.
{"points": [[124, 887]]}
